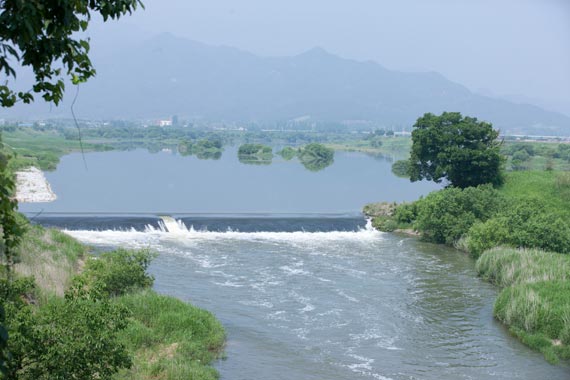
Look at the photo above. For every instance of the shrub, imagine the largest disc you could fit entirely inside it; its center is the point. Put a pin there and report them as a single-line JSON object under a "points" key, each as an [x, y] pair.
{"points": [[446, 215], [384, 224], [71, 338], [523, 224], [67, 339], [406, 212], [115, 273]]}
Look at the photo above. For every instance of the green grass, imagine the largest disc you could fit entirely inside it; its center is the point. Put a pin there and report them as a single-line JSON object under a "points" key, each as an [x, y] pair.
{"points": [[535, 301], [170, 339], [539, 314], [509, 266], [551, 187], [42, 149], [166, 338]]}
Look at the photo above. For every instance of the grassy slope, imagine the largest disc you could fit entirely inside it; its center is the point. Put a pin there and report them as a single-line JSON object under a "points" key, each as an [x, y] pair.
{"points": [[535, 301], [551, 187], [169, 339], [50, 256]]}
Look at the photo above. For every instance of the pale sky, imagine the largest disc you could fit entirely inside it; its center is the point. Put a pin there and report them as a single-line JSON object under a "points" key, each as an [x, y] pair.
{"points": [[501, 47]]}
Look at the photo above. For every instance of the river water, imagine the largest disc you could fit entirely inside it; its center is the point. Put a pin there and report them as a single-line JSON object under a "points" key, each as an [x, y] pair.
{"points": [[311, 296]]}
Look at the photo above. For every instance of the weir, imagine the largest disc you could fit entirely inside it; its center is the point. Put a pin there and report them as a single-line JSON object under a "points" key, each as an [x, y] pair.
{"points": [[169, 224]]}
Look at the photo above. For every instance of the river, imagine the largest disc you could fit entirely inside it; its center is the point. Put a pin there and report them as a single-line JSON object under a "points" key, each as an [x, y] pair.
{"points": [[312, 294]]}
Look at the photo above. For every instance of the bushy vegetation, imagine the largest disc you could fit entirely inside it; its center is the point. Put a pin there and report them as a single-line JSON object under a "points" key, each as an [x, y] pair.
{"points": [[288, 153], [316, 157], [536, 155], [67, 338], [445, 216], [531, 210], [254, 150], [108, 325], [255, 154], [116, 273], [522, 224], [203, 149]]}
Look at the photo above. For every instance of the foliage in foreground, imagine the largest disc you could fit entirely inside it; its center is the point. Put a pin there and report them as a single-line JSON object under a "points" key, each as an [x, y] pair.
{"points": [[71, 338], [108, 325], [45, 36]]}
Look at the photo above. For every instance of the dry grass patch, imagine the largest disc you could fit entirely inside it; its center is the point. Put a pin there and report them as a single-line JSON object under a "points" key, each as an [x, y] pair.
{"points": [[51, 257]]}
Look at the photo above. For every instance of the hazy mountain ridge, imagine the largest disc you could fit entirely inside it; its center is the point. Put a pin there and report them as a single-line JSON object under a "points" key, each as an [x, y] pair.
{"points": [[167, 76]]}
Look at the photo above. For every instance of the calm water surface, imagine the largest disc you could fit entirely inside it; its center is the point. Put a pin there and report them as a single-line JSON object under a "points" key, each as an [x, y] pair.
{"points": [[304, 297], [137, 181]]}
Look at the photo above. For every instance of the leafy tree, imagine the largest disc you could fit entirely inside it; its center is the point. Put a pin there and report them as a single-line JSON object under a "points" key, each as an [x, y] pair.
{"points": [[46, 37], [3, 341], [11, 229], [461, 150]]}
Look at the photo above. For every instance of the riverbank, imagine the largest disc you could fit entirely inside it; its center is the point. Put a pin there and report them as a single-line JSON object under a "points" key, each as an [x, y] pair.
{"points": [[33, 187], [531, 210], [59, 286]]}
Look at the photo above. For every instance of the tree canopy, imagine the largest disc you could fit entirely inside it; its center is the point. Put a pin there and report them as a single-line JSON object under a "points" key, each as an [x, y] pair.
{"points": [[461, 150], [46, 37]]}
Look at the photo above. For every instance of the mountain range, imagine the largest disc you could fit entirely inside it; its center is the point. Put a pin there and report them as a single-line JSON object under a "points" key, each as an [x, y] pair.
{"points": [[166, 75]]}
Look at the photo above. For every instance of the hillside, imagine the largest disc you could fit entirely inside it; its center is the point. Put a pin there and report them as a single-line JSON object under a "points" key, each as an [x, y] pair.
{"points": [[166, 75]]}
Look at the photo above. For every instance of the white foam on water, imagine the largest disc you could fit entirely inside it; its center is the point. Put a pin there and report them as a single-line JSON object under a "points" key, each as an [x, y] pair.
{"points": [[228, 284], [293, 271], [350, 298], [172, 229], [364, 367]]}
